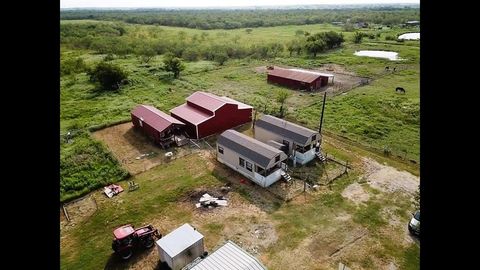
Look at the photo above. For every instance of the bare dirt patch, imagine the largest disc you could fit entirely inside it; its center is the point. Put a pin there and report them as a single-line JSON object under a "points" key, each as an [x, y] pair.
{"points": [[128, 145], [389, 179], [355, 193], [77, 211]]}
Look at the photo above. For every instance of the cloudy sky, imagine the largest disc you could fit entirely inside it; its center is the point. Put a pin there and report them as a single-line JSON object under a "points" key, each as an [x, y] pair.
{"points": [[214, 3]]}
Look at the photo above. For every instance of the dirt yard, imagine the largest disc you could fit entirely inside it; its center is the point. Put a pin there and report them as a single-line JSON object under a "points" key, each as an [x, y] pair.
{"points": [[128, 145], [389, 179], [256, 219]]}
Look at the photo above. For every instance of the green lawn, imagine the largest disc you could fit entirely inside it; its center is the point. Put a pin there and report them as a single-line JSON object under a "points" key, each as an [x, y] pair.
{"points": [[373, 115]]}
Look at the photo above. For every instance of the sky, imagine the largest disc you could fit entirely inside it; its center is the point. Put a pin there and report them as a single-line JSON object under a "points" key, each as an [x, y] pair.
{"points": [[215, 3]]}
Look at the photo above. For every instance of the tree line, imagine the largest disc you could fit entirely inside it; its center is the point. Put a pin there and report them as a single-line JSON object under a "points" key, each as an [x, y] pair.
{"points": [[114, 39], [232, 19]]}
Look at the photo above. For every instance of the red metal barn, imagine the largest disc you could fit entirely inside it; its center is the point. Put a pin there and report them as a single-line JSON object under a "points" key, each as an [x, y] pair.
{"points": [[298, 78], [157, 125], [205, 114]]}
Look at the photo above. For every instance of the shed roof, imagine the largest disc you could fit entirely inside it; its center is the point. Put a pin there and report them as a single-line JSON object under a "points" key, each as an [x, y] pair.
{"points": [[208, 101], [154, 117], [297, 74], [179, 239], [313, 72], [294, 132], [190, 114], [240, 104], [250, 148], [229, 257]]}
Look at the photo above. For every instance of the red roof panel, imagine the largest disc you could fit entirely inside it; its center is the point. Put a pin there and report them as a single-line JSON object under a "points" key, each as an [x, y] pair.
{"points": [[206, 100], [123, 231], [190, 114], [154, 117]]}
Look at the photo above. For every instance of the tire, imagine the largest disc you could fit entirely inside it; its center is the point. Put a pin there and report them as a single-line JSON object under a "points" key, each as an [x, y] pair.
{"points": [[126, 254], [148, 242]]}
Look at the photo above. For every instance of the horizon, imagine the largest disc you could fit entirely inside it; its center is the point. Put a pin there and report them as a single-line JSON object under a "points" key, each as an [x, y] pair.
{"points": [[185, 4]]}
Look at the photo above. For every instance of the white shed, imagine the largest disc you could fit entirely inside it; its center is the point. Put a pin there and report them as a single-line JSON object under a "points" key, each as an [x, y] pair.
{"points": [[180, 247]]}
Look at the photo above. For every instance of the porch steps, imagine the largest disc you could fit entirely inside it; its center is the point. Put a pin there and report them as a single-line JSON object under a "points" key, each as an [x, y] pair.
{"points": [[320, 156], [286, 176]]}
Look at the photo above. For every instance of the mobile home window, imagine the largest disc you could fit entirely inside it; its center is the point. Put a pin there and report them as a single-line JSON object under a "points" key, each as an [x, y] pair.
{"points": [[277, 158], [241, 162], [249, 166], [260, 170], [220, 150]]}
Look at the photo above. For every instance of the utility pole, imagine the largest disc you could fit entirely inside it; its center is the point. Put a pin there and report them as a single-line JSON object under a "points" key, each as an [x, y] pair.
{"points": [[323, 109], [254, 119]]}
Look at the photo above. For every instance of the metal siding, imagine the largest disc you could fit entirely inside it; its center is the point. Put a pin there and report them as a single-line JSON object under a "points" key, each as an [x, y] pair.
{"points": [[229, 257], [146, 129], [301, 135], [231, 157], [228, 116], [260, 153], [287, 82]]}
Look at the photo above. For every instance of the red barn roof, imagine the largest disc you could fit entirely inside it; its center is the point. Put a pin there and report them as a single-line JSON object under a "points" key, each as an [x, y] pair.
{"points": [[206, 100], [154, 117], [190, 114], [297, 74]]}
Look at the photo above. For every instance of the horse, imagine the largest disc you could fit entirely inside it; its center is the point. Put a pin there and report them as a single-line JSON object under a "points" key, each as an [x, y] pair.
{"points": [[400, 89]]}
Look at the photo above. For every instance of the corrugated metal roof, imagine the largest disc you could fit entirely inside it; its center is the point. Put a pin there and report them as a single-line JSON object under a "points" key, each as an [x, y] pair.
{"points": [[229, 257], [294, 132], [206, 100], [179, 239], [250, 148], [294, 75], [240, 104], [154, 117], [190, 114], [313, 72]]}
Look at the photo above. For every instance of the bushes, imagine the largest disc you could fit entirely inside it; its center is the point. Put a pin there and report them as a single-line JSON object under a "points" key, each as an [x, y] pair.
{"points": [[72, 65], [86, 165], [108, 76]]}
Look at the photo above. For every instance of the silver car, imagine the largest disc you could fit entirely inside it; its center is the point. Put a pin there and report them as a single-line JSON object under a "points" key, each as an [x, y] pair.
{"points": [[414, 224]]}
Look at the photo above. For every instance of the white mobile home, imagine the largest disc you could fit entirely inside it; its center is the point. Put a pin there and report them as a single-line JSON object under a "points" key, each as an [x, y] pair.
{"points": [[259, 162], [229, 257], [180, 247], [300, 143]]}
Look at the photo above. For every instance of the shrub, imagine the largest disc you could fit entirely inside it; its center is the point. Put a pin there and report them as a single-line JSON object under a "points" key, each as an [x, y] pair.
{"points": [[108, 76], [72, 65]]}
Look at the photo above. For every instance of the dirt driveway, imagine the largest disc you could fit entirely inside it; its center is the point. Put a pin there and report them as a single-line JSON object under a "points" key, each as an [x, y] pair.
{"points": [[128, 145], [389, 179]]}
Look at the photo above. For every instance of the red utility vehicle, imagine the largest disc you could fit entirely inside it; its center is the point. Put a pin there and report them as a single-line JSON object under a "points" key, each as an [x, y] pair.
{"points": [[127, 238]]}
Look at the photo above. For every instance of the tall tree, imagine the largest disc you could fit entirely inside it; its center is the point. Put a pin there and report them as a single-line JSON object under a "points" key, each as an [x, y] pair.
{"points": [[281, 97], [173, 64]]}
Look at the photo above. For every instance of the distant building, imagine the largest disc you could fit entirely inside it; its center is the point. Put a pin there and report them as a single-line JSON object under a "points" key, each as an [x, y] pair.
{"points": [[180, 247], [259, 162], [300, 143], [412, 23], [228, 257], [298, 78], [205, 114], [361, 24], [159, 126]]}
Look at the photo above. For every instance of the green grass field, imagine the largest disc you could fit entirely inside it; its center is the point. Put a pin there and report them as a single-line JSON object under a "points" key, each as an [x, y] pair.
{"points": [[373, 115]]}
